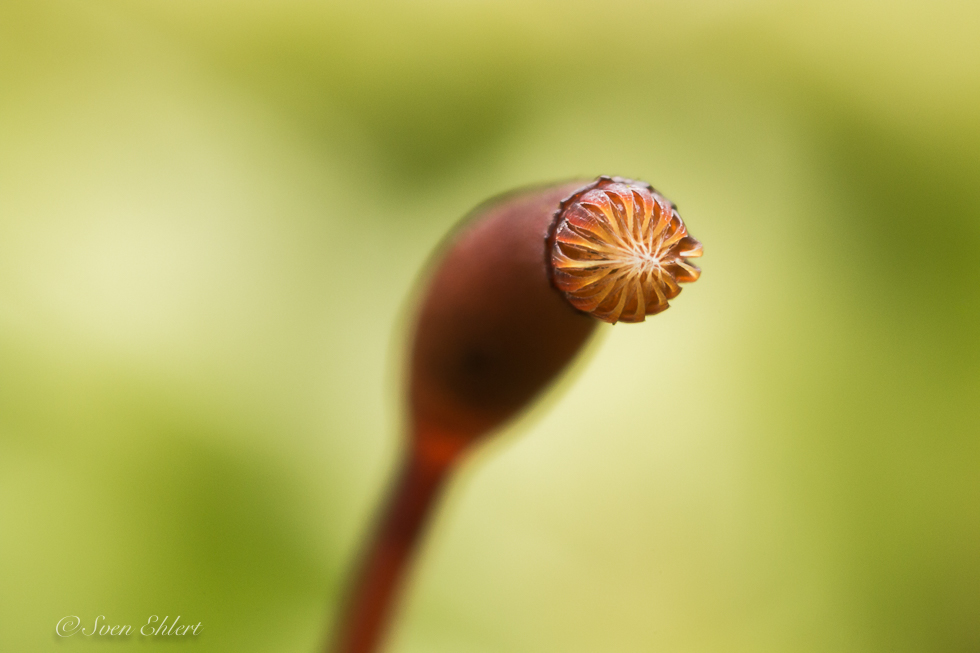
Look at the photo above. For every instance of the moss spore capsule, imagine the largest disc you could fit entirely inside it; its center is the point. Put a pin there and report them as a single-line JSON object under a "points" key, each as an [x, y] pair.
{"points": [[512, 296]]}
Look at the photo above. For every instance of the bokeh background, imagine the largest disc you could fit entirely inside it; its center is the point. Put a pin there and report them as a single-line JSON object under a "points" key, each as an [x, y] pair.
{"points": [[211, 217]]}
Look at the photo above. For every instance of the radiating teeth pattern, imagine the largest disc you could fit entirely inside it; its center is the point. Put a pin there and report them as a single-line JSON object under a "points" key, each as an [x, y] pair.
{"points": [[620, 251]]}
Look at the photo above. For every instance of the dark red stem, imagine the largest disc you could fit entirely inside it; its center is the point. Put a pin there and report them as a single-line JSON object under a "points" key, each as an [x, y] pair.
{"points": [[387, 555]]}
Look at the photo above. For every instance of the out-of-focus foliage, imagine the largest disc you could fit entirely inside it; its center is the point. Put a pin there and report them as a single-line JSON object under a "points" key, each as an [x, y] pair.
{"points": [[211, 214]]}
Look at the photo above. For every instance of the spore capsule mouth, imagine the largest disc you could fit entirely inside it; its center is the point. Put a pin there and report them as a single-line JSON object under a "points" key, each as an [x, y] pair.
{"points": [[619, 250]]}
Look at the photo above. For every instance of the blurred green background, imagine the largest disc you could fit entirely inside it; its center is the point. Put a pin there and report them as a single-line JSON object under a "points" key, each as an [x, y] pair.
{"points": [[211, 217]]}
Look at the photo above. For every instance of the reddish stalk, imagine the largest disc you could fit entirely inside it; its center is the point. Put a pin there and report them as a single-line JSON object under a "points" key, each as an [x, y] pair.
{"points": [[388, 554]]}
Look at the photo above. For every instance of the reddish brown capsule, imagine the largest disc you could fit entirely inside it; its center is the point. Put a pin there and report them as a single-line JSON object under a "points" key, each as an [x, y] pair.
{"points": [[509, 303], [492, 331]]}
